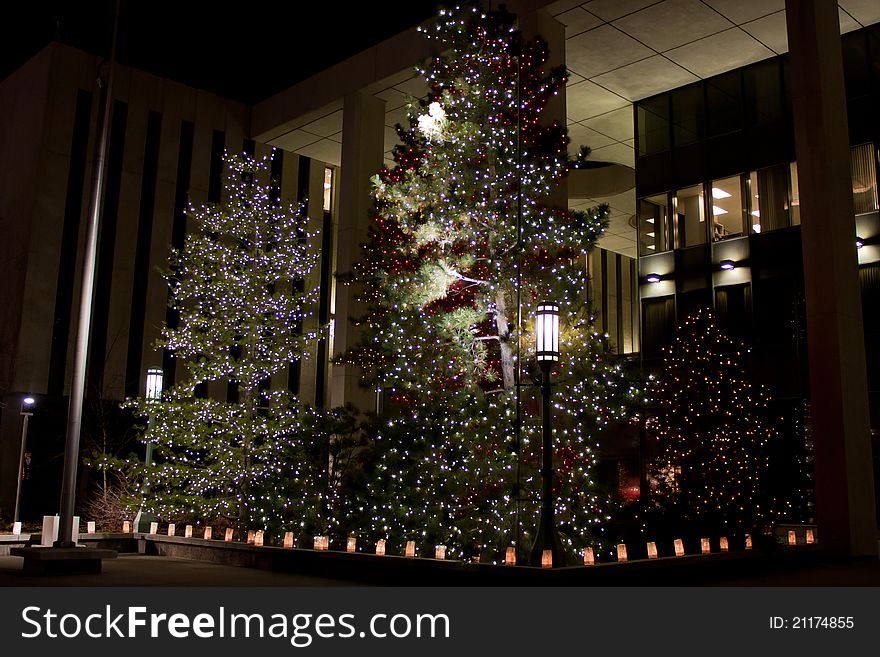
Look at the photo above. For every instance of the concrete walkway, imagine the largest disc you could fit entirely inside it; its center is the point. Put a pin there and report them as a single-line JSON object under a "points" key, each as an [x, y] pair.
{"points": [[145, 570]]}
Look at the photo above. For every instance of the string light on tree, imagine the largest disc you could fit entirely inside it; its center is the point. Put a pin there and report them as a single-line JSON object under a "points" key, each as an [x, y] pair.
{"points": [[253, 461], [714, 431], [460, 221]]}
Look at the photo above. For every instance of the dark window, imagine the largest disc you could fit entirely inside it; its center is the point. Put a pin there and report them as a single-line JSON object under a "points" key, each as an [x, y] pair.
{"points": [[178, 231], [603, 263], [690, 302], [658, 325], [98, 347], [215, 174], [76, 177], [688, 115], [294, 370], [874, 53], [133, 372], [870, 283], [724, 99], [763, 93], [653, 122], [733, 307], [857, 75], [778, 325]]}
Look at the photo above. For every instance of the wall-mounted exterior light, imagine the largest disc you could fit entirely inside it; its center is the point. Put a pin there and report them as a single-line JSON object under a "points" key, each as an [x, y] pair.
{"points": [[859, 242], [727, 265], [653, 278]]}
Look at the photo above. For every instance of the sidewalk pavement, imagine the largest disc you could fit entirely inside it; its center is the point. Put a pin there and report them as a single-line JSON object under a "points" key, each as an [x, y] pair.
{"points": [[145, 570]]}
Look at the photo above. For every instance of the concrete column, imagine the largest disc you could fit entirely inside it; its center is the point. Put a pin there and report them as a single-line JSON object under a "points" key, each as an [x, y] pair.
{"points": [[838, 383], [363, 135]]}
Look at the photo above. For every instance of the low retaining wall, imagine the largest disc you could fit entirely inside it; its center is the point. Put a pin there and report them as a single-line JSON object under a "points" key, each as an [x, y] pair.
{"points": [[9, 541], [689, 570]]}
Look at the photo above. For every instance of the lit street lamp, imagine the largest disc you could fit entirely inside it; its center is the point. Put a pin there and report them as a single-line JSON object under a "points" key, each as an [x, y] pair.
{"points": [[547, 351], [153, 393], [27, 409]]}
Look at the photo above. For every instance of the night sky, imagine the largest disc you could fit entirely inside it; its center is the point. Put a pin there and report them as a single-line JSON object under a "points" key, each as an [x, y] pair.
{"points": [[245, 50]]}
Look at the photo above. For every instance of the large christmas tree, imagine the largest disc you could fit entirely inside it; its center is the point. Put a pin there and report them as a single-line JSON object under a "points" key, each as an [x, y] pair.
{"points": [[462, 247], [251, 459], [713, 429]]}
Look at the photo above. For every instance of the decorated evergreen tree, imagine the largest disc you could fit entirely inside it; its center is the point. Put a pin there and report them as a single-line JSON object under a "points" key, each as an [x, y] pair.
{"points": [[253, 461], [462, 247], [713, 429]]}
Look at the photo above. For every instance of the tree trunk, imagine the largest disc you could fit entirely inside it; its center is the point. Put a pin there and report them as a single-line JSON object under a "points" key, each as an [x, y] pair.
{"points": [[507, 366]]}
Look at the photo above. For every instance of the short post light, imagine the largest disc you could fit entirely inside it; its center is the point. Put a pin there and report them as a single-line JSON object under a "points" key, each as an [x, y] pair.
{"points": [[153, 393], [27, 410], [547, 353]]}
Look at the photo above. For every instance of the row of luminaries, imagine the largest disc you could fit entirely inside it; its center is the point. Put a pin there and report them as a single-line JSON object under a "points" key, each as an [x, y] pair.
{"points": [[255, 537]]}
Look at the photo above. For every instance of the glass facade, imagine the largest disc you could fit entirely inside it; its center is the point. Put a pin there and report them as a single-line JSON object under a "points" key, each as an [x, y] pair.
{"points": [[864, 179], [759, 201], [769, 196], [328, 188], [653, 122], [729, 208], [724, 104], [718, 206], [655, 235], [690, 216]]}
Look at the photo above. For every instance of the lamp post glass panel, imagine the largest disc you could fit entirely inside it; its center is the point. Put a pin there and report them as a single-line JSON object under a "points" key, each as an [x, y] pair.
{"points": [[547, 352], [153, 393], [27, 409]]}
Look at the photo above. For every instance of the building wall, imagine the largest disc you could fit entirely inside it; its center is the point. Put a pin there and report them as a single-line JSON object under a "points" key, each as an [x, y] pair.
{"points": [[730, 139], [735, 131], [165, 148], [614, 290]]}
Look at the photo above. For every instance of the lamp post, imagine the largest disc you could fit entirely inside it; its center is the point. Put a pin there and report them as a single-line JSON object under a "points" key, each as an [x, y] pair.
{"points": [[27, 409], [153, 393], [547, 351]]}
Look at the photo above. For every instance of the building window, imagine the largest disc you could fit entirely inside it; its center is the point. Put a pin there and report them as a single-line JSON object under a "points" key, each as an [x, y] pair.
{"points": [[795, 196], [654, 228], [653, 122], [724, 98], [763, 93], [658, 325], [733, 307], [728, 208], [690, 216], [864, 179], [688, 115], [328, 188], [769, 198]]}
